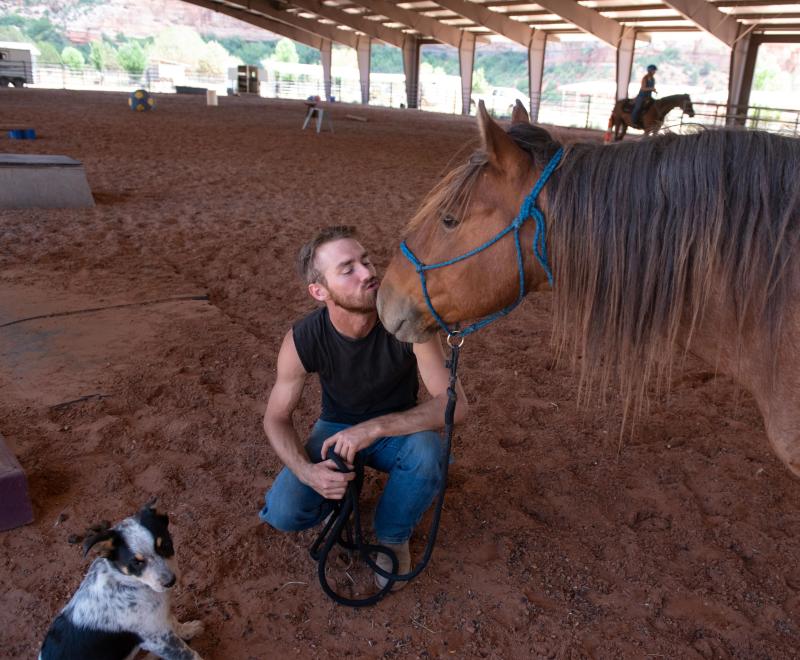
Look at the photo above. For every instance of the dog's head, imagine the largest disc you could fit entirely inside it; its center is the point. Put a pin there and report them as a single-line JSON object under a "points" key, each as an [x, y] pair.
{"points": [[139, 547]]}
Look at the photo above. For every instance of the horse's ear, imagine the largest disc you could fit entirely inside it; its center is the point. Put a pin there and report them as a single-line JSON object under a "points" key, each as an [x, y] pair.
{"points": [[502, 150], [519, 115]]}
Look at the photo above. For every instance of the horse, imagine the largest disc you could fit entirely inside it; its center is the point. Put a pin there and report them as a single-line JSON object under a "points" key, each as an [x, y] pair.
{"points": [[676, 243], [652, 116]]}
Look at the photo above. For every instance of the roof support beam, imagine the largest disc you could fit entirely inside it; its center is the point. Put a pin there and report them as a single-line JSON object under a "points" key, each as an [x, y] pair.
{"points": [[364, 55], [411, 52], [466, 63], [326, 55], [374, 29], [707, 17], [288, 31], [588, 20], [536, 72], [264, 8], [429, 27], [740, 79], [497, 23], [625, 62]]}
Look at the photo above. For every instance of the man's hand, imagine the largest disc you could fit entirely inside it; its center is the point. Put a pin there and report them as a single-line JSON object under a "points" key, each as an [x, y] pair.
{"points": [[348, 442], [327, 480]]}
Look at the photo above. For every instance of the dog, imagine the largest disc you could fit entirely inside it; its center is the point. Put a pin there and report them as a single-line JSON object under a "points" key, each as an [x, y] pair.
{"points": [[123, 603]]}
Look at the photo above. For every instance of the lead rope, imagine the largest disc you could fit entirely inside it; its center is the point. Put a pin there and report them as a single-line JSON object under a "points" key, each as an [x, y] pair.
{"points": [[339, 530]]}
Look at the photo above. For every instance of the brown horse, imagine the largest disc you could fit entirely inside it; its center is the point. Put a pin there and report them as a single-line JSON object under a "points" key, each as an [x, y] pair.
{"points": [[673, 243], [652, 116]]}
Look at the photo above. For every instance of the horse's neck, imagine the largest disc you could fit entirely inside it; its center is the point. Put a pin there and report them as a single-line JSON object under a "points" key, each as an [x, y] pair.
{"points": [[668, 103]]}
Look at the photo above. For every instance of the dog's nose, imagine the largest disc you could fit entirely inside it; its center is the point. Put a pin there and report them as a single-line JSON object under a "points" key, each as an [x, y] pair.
{"points": [[171, 583]]}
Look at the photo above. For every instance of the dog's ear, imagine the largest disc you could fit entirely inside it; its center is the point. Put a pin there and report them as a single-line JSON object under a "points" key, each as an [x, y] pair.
{"points": [[158, 526], [110, 540]]}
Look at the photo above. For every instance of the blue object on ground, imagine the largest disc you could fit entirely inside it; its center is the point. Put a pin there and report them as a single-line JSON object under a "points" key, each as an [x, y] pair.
{"points": [[22, 134]]}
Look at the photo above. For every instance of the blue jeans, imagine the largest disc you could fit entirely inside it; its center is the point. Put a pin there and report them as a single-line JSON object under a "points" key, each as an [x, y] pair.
{"points": [[414, 465], [637, 106]]}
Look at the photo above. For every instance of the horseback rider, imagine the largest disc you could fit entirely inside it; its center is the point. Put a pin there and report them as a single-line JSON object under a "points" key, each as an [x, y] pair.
{"points": [[646, 90]]}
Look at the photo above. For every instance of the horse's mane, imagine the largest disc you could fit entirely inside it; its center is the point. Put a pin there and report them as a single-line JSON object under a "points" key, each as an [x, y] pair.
{"points": [[644, 234], [672, 98]]}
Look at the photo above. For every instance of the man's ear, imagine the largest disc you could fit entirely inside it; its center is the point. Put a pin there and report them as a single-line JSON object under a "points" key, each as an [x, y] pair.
{"points": [[318, 292]]}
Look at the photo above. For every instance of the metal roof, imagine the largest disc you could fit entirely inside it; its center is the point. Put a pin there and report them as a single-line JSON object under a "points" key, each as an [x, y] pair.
{"points": [[494, 20]]}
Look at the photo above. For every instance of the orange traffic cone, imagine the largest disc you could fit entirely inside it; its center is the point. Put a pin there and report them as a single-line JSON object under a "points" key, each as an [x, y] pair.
{"points": [[607, 136]]}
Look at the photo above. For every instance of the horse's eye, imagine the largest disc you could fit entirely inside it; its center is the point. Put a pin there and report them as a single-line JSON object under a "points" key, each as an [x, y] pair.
{"points": [[449, 221]]}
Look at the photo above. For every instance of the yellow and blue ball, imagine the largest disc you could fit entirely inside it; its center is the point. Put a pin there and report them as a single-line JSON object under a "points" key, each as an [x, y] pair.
{"points": [[140, 100]]}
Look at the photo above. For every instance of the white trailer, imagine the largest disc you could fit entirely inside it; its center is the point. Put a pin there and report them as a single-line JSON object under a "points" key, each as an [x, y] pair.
{"points": [[17, 63]]}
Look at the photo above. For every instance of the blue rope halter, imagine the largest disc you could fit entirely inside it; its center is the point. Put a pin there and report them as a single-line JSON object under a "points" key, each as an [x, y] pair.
{"points": [[528, 210]]}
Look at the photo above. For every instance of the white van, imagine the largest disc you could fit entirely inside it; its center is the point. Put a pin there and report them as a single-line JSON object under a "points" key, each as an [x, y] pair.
{"points": [[17, 62]]}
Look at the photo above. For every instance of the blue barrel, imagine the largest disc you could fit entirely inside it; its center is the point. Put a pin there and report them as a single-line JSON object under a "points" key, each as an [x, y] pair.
{"points": [[22, 134]]}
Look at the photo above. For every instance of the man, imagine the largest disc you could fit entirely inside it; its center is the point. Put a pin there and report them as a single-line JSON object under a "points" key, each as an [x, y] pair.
{"points": [[646, 89], [369, 402]]}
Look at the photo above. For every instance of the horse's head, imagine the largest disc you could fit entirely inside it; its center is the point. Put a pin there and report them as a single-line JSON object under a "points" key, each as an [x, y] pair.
{"points": [[468, 207], [687, 106]]}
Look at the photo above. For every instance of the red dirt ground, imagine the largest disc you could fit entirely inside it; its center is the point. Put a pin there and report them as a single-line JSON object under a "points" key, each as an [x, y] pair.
{"points": [[556, 541]]}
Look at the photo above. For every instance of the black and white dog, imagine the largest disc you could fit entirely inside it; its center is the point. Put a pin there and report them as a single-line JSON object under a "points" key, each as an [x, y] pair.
{"points": [[122, 605]]}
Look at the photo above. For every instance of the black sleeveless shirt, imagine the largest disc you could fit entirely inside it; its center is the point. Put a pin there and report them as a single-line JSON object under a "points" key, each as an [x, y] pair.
{"points": [[361, 378]]}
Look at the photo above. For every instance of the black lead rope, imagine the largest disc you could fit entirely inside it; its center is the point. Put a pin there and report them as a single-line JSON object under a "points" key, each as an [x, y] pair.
{"points": [[339, 530]]}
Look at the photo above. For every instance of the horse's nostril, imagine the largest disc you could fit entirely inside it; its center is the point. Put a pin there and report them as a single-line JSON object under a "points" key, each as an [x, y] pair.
{"points": [[171, 583]]}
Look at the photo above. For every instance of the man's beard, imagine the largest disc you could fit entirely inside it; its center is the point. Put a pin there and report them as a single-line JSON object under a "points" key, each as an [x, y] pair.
{"points": [[365, 303]]}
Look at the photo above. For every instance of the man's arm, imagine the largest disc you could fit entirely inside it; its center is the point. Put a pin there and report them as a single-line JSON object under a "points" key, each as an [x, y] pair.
{"points": [[283, 400], [427, 415]]}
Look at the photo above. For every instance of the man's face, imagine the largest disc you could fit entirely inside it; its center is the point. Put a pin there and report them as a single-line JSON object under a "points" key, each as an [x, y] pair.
{"points": [[348, 275]]}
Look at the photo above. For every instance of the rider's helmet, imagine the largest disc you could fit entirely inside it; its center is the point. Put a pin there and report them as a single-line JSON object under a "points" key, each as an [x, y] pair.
{"points": [[652, 68]]}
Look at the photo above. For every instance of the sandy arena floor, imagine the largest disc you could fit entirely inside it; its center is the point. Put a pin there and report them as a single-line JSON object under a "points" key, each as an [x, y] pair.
{"points": [[555, 542]]}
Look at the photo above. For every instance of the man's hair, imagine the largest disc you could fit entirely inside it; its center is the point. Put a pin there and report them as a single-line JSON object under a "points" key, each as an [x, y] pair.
{"points": [[305, 259]]}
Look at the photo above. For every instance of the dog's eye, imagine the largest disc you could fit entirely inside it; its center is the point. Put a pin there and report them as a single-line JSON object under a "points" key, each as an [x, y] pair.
{"points": [[449, 221], [137, 563]]}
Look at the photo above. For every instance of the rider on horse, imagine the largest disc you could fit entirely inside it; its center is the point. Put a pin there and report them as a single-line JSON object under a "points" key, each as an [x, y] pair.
{"points": [[646, 90]]}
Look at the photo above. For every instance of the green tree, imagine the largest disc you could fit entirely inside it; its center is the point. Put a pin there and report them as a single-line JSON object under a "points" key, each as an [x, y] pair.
{"points": [[308, 55], [766, 80], [479, 83], [214, 59], [48, 53], [386, 59], [132, 57], [72, 58], [11, 33], [285, 51], [102, 55], [179, 44], [249, 52]]}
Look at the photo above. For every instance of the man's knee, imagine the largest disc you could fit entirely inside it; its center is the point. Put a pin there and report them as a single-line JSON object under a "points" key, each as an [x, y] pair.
{"points": [[290, 506], [424, 454], [283, 518]]}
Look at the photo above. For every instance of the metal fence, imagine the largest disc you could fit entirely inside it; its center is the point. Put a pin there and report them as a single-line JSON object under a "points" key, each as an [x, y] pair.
{"points": [[438, 95]]}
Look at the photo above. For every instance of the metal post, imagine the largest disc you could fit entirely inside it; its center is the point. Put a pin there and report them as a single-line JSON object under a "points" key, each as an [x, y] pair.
{"points": [[588, 109]]}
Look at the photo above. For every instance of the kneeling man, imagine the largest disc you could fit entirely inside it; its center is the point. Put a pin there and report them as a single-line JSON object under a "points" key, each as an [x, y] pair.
{"points": [[369, 385]]}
